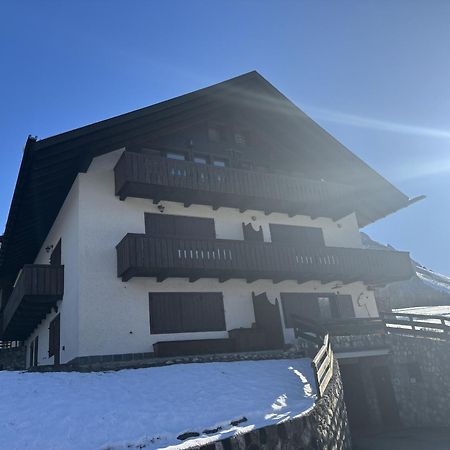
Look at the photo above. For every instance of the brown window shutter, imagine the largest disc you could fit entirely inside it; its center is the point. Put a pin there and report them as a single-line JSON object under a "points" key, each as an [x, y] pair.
{"points": [[182, 312], [159, 225]]}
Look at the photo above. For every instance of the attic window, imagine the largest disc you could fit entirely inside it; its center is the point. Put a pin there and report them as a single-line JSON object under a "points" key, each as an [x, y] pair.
{"points": [[177, 156], [200, 159], [241, 138], [217, 133], [220, 162]]}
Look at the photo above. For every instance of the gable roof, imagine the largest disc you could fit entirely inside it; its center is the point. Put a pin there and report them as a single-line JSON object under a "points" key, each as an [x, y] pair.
{"points": [[50, 166]]}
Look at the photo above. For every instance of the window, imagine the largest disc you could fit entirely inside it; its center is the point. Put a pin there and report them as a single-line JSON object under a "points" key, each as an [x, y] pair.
{"points": [[295, 235], [301, 305], [179, 226], [316, 307], [217, 133], [177, 156], [220, 162], [241, 138], [200, 159], [324, 308], [181, 312], [345, 309], [246, 165]]}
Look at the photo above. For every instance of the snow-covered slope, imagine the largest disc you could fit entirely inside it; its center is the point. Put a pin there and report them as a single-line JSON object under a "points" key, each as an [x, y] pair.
{"points": [[149, 407], [426, 288]]}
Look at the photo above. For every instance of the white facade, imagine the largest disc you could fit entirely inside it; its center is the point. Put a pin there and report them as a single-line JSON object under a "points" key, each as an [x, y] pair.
{"points": [[101, 315]]}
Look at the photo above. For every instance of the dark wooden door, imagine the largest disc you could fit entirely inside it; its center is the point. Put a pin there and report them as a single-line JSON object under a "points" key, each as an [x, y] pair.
{"points": [[250, 234], [268, 319], [355, 396], [55, 257], [54, 339], [384, 390]]}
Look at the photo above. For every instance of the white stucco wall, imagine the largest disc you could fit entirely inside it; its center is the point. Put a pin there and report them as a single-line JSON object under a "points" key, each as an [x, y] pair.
{"points": [[114, 316], [65, 228], [102, 315]]}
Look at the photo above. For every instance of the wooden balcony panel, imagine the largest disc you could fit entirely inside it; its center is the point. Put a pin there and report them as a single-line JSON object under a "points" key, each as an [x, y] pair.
{"points": [[139, 175], [38, 288], [143, 255]]}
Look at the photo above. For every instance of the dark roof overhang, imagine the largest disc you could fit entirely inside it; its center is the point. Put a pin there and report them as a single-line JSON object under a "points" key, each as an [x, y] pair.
{"points": [[50, 166]]}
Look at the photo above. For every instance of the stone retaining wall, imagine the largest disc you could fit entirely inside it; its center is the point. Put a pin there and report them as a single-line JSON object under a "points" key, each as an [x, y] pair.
{"points": [[420, 369], [99, 363], [324, 427], [12, 358]]}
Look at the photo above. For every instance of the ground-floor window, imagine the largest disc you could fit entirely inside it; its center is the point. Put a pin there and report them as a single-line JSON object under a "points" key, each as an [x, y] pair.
{"points": [[180, 312]]}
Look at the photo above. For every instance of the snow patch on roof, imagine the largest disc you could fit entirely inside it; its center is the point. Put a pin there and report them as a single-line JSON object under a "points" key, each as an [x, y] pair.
{"points": [[430, 278]]}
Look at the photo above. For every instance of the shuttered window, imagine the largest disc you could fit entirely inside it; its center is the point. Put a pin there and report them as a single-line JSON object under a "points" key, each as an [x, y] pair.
{"points": [[303, 305], [180, 312], [295, 235], [317, 307], [179, 226], [345, 306]]}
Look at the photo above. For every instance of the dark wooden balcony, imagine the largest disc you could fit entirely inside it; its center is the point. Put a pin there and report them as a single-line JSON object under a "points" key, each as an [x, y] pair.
{"points": [[139, 175], [37, 290], [162, 257]]}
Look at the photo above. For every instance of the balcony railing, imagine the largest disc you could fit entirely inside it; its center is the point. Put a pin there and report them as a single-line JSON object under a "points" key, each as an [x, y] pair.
{"points": [[37, 289], [161, 257], [139, 175]]}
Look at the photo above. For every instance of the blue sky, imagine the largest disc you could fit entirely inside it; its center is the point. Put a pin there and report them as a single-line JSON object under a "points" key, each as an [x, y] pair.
{"points": [[374, 74]]}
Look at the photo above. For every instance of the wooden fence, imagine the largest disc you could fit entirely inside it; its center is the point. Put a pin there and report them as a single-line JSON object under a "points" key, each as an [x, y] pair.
{"points": [[417, 324], [323, 361]]}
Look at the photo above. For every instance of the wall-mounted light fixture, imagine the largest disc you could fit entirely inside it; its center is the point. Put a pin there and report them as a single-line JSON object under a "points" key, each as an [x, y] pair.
{"points": [[49, 248], [161, 208]]}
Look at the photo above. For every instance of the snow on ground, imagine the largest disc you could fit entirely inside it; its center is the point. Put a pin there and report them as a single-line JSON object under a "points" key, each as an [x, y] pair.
{"points": [[151, 407]]}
